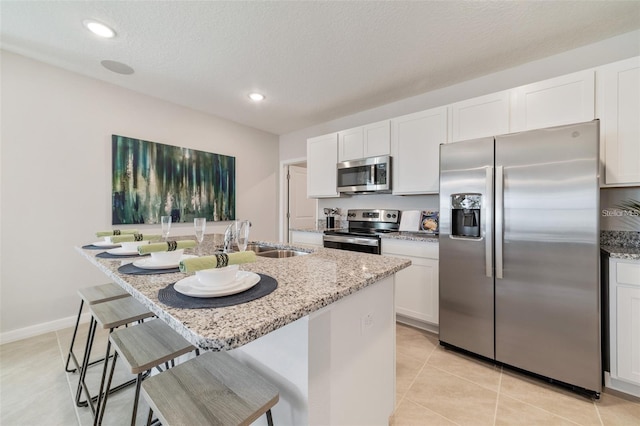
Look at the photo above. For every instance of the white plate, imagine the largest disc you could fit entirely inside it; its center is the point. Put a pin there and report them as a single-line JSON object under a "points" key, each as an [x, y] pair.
{"points": [[105, 244], [190, 286], [150, 263], [120, 251]]}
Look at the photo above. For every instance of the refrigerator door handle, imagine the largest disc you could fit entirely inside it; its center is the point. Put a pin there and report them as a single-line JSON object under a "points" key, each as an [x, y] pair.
{"points": [[488, 231], [499, 213]]}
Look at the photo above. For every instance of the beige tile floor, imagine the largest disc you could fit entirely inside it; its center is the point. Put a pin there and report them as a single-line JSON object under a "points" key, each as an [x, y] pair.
{"points": [[434, 386]]}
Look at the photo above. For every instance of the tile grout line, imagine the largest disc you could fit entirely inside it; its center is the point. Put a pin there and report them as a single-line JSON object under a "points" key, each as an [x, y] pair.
{"points": [[495, 411], [598, 411]]}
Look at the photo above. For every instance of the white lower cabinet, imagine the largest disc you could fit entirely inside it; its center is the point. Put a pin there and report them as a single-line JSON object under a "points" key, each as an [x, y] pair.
{"points": [[417, 285], [624, 314], [309, 238]]}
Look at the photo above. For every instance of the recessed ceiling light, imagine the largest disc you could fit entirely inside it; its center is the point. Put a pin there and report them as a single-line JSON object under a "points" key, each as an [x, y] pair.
{"points": [[99, 29], [257, 97]]}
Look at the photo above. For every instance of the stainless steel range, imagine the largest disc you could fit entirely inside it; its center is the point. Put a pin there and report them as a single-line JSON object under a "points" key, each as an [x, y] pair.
{"points": [[365, 227]]}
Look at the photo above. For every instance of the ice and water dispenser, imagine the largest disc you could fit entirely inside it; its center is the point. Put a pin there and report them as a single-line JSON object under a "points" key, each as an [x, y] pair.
{"points": [[465, 215]]}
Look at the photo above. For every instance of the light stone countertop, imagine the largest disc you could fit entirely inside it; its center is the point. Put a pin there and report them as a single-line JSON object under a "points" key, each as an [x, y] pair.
{"points": [[409, 236], [306, 284], [614, 252]]}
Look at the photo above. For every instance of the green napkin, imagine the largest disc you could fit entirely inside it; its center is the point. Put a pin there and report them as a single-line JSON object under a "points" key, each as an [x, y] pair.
{"points": [[168, 246], [134, 237], [116, 232], [217, 261]]}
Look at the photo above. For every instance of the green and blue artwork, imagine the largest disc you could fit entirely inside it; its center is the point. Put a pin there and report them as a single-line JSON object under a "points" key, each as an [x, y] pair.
{"points": [[151, 180]]}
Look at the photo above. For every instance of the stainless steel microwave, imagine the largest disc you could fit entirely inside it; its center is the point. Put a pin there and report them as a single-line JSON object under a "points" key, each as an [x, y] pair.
{"points": [[366, 176]]}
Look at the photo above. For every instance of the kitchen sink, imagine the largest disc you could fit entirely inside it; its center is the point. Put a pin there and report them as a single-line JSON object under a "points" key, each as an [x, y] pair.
{"points": [[280, 254], [258, 248]]}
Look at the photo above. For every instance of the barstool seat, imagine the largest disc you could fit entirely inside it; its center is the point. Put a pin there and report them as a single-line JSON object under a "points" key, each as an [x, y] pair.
{"points": [[144, 347], [91, 296], [108, 315], [212, 389]]}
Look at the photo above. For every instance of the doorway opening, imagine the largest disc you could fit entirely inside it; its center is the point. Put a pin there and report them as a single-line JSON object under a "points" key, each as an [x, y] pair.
{"points": [[298, 211]]}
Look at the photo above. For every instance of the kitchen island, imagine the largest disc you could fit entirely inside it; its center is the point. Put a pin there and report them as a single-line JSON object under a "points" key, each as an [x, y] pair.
{"points": [[325, 336]]}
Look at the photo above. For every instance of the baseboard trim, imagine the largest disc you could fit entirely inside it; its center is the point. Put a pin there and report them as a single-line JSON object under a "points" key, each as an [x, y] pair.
{"points": [[432, 328], [43, 328]]}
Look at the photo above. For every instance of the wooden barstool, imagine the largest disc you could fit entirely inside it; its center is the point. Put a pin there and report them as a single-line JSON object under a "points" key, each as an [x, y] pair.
{"points": [[92, 296], [144, 347], [109, 316], [212, 389]]}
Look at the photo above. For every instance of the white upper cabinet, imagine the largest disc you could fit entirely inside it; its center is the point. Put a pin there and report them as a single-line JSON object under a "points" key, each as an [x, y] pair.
{"points": [[415, 147], [479, 117], [367, 141], [619, 113], [562, 100], [322, 157]]}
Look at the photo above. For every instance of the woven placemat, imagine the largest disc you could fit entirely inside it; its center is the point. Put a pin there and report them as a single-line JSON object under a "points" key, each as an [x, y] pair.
{"points": [[170, 297], [131, 269], [105, 255]]}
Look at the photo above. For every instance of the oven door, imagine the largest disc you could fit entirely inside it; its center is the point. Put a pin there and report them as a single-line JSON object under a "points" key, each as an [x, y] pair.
{"points": [[353, 243]]}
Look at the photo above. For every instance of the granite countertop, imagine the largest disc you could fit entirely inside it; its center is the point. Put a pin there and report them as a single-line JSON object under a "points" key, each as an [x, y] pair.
{"points": [[306, 284], [410, 236], [616, 252]]}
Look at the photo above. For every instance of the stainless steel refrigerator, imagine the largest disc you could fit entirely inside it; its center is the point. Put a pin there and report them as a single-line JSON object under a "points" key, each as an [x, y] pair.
{"points": [[519, 251]]}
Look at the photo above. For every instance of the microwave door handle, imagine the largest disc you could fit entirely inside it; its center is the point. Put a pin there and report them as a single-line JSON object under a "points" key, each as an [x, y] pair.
{"points": [[372, 176], [488, 222]]}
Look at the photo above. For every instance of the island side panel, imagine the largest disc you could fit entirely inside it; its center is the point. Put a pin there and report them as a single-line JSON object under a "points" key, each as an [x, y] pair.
{"points": [[281, 357], [352, 359]]}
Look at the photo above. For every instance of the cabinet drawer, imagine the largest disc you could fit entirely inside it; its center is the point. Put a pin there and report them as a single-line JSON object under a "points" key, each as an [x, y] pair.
{"points": [[410, 248], [628, 273]]}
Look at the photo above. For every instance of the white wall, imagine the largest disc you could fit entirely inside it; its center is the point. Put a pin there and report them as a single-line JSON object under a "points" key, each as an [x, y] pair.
{"points": [[56, 180], [293, 145]]}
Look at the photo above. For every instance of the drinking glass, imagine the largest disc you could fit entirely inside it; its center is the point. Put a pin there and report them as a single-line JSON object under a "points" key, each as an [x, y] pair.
{"points": [[200, 224], [242, 234], [166, 226]]}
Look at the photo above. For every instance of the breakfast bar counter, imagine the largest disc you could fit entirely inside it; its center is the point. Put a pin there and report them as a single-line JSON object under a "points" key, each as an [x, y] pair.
{"points": [[325, 336]]}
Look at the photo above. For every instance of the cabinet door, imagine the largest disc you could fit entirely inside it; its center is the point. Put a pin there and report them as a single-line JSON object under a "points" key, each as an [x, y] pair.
{"points": [[417, 290], [351, 144], [628, 334], [377, 139], [415, 146], [618, 110], [562, 100], [480, 117], [322, 157]]}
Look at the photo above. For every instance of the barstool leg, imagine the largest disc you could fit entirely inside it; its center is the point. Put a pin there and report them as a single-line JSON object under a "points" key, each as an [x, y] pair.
{"points": [[136, 398], [269, 419], [149, 416], [82, 386], [73, 339], [100, 405]]}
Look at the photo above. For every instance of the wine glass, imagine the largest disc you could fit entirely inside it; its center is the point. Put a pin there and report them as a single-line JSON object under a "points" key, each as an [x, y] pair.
{"points": [[229, 237], [199, 224], [242, 234], [166, 226]]}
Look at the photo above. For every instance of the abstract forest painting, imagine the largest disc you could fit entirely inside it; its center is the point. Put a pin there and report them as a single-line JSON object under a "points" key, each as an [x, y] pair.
{"points": [[150, 180]]}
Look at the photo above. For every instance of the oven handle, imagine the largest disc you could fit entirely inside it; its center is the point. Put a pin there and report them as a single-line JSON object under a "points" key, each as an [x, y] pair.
{"points": [[351, 240]]}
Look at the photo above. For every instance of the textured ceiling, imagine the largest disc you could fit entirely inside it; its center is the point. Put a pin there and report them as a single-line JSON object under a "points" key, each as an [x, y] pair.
{"points": [[315, 61]]}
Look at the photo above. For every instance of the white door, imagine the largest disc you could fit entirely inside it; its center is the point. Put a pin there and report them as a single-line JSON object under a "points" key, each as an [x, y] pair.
{"points": [[302, 210]]}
